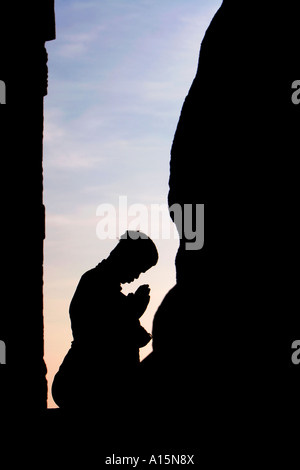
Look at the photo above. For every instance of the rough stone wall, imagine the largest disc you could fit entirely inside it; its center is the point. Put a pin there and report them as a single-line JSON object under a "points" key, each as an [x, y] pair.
{"points": [[224, 333]]}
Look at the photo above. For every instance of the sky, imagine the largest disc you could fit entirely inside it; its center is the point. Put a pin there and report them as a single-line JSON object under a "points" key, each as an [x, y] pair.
{"points": [[119, 71]]}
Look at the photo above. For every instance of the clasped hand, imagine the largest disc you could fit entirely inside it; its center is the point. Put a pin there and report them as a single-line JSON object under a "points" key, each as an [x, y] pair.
{"points": [[142, 298]]}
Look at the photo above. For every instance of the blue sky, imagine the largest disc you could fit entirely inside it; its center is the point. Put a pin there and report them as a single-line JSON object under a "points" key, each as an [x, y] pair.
{"points": [[119, 71]]}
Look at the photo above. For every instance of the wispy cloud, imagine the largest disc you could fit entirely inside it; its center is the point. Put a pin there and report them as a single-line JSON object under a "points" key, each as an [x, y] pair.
{"points": [[73, 46]]}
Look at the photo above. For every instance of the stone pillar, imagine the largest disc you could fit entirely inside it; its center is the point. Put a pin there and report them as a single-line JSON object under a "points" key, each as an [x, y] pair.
{"points": [[23, 70]]}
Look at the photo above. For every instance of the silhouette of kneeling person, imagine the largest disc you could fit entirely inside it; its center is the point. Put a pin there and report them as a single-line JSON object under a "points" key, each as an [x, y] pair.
{"points": [[101, 367]]}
